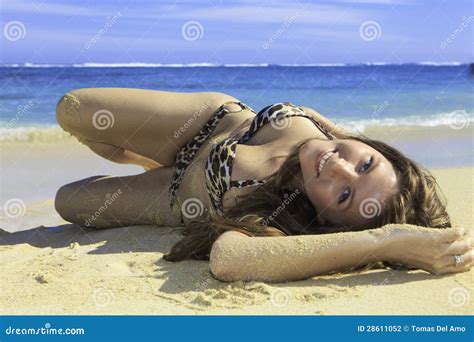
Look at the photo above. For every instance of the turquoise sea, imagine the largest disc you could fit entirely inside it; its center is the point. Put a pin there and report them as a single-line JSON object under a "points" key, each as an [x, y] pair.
{"points": [[363, 96]]}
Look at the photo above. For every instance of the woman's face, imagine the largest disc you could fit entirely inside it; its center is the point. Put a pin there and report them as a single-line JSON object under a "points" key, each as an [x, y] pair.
{"points": [[353, 184]]}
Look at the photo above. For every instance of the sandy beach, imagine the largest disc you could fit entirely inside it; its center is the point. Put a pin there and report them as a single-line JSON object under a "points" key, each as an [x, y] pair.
{"points": [[183, 84], [52, 267]]}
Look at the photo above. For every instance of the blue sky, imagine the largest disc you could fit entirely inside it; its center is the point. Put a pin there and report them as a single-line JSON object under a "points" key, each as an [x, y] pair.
{"points": [[303, 32]]}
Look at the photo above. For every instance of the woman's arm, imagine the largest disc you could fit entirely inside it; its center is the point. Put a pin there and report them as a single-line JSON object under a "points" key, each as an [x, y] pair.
{"points": [[235, 256], [338, 131]]}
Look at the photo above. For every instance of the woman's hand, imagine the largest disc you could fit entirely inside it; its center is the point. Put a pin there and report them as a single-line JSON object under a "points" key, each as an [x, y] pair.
{"points": [[430, 249]]}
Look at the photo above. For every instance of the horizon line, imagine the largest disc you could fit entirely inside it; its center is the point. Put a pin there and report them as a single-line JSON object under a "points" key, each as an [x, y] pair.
{"points": [[225, 65]]}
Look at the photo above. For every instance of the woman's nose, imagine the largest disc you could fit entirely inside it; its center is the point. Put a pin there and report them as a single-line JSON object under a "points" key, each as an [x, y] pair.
{"points": [[342, 168]]}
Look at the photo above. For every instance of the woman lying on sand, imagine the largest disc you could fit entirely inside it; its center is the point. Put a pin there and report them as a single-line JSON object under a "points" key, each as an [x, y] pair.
{"points": [[319, 198]]}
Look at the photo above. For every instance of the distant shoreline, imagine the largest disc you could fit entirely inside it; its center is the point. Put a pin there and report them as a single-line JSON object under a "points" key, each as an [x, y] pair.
{"points": [[413, 127], [227, 65]]}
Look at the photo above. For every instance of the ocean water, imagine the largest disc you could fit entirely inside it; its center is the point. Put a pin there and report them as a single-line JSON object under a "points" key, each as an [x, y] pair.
{"points": [[422, 94], [362, 96]]}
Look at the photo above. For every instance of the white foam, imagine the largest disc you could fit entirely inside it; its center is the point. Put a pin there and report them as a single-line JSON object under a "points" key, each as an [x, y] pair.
{"points": [[440, 63], [40, 133], [142, 65], [217, 65], [246, 65], [320, 65], [456, 118], [378, 63], [53, 133]]}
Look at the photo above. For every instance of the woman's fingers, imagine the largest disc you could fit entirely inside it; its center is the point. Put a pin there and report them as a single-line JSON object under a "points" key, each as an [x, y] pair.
{"points": [[433, 250], [462, 247], [459, 246], [449, 261], [452, 234], [471, 236], [454, 269], [449, 270]]}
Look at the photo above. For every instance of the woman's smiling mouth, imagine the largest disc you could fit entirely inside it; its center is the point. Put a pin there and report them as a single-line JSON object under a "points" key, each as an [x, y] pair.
{"points": [[322, 159]]}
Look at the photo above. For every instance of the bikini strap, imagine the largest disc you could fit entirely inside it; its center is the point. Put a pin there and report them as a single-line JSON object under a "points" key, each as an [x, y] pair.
{"points": [[246, 182], [231, 146], [260, 120], [186, 154], [242, 105], [316, 123]]}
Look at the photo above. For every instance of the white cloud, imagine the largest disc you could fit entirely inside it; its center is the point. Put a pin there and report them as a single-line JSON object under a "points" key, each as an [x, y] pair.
{"points": [[375, 2], [36, 7], [314, 14], [246, 12]]}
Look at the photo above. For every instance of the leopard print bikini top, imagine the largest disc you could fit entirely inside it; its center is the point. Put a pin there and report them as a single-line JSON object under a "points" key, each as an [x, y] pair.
{"points": [[218, 169]]}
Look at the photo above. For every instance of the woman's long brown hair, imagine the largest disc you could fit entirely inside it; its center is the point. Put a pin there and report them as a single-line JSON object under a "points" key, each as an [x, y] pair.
{"points": [[272, 210]]}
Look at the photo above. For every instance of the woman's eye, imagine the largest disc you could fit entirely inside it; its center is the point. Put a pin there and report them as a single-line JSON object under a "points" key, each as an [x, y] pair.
{"points": [[344, 195], [367, 164]]}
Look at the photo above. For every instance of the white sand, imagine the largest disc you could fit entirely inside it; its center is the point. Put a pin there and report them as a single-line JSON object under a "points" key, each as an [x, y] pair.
{"points": [[67, 270]]}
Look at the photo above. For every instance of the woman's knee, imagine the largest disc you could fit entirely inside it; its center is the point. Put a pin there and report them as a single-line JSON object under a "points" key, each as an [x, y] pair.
{"points": [[62, 203], [67, 112], [69, 199]]}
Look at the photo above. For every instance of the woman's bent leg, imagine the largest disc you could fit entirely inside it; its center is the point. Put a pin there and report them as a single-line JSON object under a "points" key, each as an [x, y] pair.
{"points": [[150, 123], [118, 154], [106, 201]]}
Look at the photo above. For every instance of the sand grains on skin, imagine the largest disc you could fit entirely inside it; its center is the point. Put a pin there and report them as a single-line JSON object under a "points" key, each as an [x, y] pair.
{"points": [[71, 270]]}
